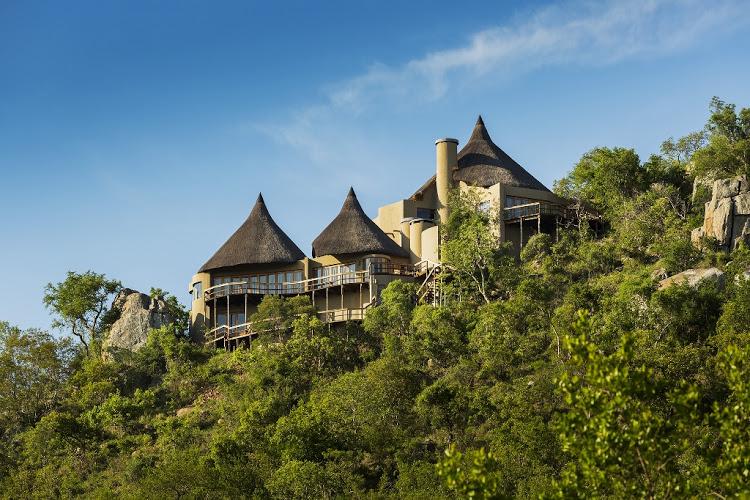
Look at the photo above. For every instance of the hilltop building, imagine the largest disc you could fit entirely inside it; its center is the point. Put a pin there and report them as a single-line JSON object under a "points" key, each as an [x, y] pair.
{"points": [[354, 258]]}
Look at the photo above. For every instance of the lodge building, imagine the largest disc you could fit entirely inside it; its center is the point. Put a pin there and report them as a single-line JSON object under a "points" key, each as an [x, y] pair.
{"points": [[355, 257]]}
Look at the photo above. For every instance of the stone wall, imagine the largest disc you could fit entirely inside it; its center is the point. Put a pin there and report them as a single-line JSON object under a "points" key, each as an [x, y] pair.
{"points": [[727, 217]]}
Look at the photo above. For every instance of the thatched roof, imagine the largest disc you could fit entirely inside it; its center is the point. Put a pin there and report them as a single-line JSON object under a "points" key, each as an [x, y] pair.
{"points": [[483, 163], [258, 241], [353, 232]]}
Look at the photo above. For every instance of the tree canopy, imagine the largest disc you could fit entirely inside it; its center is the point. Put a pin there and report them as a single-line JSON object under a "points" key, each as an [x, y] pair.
{"points": [[79, 303]]}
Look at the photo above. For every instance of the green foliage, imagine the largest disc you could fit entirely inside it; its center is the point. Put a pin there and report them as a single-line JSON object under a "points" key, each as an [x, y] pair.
{"points": [[472, 475], [276, 314], [79, 303], [479, 268], [643, 396], [732, 470], [727, 153], [180, 314], [623, 443], [34, 367], [604, 177]]}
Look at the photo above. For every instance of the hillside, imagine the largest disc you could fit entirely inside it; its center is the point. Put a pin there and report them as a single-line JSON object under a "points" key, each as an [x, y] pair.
{"points": [[570, 373]]}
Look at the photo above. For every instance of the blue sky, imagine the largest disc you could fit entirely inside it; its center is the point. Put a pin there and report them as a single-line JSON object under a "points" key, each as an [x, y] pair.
{"points": [[123, 125]]}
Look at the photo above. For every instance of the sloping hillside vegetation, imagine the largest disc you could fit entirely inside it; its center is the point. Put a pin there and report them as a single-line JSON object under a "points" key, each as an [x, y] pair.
{"points": [[567, 374]]}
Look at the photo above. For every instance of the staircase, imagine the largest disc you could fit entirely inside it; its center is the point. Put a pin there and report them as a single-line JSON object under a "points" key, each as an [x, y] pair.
{"points": [[429, 291]]}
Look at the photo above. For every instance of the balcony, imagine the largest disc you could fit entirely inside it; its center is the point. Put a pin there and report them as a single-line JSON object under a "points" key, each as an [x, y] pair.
{"points": [[533, 210], [308, 285], [228, 334]]}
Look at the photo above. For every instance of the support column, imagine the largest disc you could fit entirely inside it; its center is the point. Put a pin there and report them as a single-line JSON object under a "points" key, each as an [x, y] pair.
{"points": [[539, 222], [446, 161], [415, 238]]}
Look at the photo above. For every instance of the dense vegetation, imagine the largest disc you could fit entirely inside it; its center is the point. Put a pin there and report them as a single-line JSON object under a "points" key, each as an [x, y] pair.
{"points": [[567, 374]]}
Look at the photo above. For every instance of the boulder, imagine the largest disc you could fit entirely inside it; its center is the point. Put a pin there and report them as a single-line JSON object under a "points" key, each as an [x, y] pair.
{"points": [[726, 188], [696, 235], [722, 221], [694, 277], [138, 314], [741, 231], [659, 273], [742, 204], [744, 186]]}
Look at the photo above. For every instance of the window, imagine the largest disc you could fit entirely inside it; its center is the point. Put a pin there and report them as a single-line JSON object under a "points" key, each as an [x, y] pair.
{"points": [[521, 211], [484, 207], [275, 283], [377, 265], [425, 213], [338, 273], [197, 290]]}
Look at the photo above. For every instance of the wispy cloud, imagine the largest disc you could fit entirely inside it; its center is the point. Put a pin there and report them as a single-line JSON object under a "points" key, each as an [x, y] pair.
{"points": [[588, 33], [583, 33]]}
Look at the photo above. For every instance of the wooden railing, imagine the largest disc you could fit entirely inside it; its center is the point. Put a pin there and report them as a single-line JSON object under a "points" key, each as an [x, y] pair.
{"points": [[390, 268], [425, 267], [533, 210], [287, 287], [226, 332], [312, 284], [341, 315]]}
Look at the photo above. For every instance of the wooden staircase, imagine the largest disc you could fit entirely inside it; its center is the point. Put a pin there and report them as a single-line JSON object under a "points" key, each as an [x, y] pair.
{"points": [[429, 290]]}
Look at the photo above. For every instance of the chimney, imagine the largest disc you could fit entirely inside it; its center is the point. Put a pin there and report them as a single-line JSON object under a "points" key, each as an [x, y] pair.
{"points": [[446, 162]]}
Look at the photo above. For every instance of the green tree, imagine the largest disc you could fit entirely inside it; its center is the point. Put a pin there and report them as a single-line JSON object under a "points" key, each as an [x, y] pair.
{"points": [[473, 475], [479, 267], [731, 471], [180, 314], [622, 442], [34, 367], [728, 150], [79, 303], [604, 177]]}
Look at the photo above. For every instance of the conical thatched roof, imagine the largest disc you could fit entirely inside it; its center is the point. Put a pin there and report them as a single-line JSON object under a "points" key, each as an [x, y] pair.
{"points": [[258, 241], [482, 163], [353, 232]]}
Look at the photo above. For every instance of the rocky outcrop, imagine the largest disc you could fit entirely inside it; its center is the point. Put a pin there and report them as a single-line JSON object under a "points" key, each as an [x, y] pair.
{"points": [[727, 217], [693, 277], [138, 314]]}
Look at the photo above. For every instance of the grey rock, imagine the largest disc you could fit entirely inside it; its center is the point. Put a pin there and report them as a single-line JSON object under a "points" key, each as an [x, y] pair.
{"points": [[139, 313], [659, 273], [744, 186], [742, 204], [725, 188], [696, 235], [722, 221], [741, 231], [694, 277]]}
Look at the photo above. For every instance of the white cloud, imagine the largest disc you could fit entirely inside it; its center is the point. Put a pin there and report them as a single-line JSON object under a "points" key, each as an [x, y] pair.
{"points": [[590, 33], [583, 33]]}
